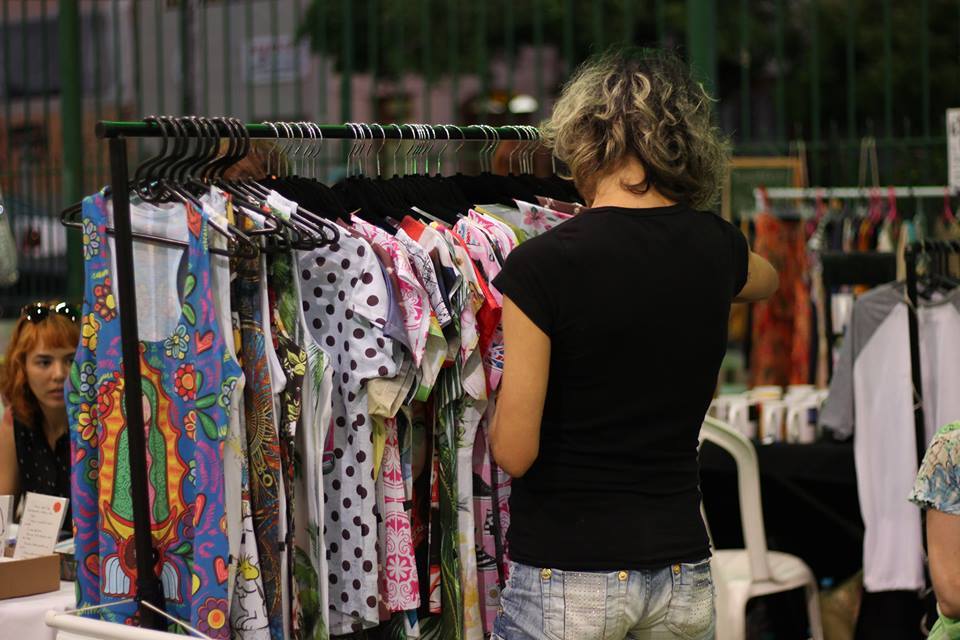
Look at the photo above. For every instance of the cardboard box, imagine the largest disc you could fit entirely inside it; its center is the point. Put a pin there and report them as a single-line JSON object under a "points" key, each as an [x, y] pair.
{"points": [[30, 576]]}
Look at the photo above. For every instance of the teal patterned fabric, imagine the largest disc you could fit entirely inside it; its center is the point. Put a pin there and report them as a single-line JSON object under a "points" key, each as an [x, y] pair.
{"points": [[938, 482]]}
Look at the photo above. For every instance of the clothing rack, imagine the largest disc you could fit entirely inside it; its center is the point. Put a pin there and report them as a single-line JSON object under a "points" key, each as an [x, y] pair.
{"points": [[848, 193], [148, 589]]}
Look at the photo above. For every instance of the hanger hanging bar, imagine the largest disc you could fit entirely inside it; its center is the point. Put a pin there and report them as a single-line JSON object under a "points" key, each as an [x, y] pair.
{"points": [[133, 129]]}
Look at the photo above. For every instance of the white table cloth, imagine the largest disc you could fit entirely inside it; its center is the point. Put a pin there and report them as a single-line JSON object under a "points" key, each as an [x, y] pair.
{"points": [[22, 618]]}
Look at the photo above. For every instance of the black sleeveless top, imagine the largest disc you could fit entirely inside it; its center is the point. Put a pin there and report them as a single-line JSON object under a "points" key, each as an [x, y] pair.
{"points": [[42, 470]]}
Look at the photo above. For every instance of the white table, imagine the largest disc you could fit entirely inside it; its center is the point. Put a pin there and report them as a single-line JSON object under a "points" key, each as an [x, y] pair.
{"points": [[22, 618]]}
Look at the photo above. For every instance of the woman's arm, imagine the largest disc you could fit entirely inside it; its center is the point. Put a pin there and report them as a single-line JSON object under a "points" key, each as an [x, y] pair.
{"points": [[762, 280], [9, 469], [515, 433], [943, 549]]}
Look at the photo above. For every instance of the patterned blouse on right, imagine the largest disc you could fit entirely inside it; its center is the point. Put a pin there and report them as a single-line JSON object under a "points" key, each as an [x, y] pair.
{"points": [[938, 487]]}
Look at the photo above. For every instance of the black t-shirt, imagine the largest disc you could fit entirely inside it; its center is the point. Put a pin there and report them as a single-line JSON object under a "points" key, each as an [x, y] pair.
{"points": [[636, 303]]}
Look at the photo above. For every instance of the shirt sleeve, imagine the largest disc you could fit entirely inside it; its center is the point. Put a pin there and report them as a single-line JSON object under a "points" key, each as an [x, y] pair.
{"points": [[527, 278], [837, 414], [938, 482]]}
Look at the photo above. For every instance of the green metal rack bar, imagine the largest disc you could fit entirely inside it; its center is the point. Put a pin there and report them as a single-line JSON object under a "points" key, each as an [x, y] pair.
{"points": [[781, 89], [887, 68], [744, 70], [119, 129], [274, 58], [373, 51], [538, 54], [205, 52], [596, 23], [159, 45], [71, 110], [851, 46], [453, 40], [925, 65], [228, 71], [702, 42], [248, 37], [815, 86]]}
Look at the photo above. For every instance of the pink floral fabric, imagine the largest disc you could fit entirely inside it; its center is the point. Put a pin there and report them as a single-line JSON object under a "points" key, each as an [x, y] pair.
{"points": [[414, 300], [535, 219], [399, 582]]}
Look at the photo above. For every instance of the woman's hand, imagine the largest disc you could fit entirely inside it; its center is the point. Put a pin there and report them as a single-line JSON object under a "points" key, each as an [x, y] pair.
{"points": [[9, 469], [515, 433]]}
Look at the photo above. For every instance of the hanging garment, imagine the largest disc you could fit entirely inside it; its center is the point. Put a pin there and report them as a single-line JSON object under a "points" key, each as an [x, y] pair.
{"points": [[871, 397], [310, 562], [780, 352], [571, 208], [263, 441], [346, 314], [187, 380]]}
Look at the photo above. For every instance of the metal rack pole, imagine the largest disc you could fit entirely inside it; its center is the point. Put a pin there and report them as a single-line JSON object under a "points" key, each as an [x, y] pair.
{"points": [[917, 375], [148, 584], [113, 129]]}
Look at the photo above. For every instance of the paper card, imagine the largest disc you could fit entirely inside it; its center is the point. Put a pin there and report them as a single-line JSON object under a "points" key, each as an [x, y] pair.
{"points": [[40, 525], [6, 515]]}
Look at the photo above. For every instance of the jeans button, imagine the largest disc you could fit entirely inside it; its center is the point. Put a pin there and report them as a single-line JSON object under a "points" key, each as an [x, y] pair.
{"points": [[623, 576], [676, 569], [545, 574]]}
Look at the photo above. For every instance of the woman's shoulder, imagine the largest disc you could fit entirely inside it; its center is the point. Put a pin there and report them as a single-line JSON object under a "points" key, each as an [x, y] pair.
{"points": [[938, 482]]}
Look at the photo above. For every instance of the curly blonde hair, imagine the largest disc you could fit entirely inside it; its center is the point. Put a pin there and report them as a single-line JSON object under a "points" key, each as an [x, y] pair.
{"points": [[642, 103]]}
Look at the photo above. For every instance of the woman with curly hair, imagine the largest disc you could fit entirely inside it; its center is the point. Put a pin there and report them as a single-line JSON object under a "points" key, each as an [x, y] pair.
{"points": [[615, 324], [34, 445]]}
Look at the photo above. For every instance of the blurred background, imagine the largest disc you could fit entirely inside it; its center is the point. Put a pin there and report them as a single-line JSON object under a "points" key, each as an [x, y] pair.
{"points": [[808, 79]]}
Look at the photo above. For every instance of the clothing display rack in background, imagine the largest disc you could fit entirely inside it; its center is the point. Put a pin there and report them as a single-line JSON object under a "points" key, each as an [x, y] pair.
{"points": [[858, 268], [148, 589], [847, 193]]}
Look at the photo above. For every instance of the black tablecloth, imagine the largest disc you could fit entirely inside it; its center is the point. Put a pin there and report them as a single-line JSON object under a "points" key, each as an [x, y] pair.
{"points": [[810, 505], [810, 509]]}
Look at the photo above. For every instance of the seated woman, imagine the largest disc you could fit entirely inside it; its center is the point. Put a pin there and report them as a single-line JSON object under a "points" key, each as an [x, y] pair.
{"points": [[34, 444], [938, 491]]}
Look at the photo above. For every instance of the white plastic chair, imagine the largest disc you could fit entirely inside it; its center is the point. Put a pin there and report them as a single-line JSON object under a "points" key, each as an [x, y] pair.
{"points": [[742, 574]]}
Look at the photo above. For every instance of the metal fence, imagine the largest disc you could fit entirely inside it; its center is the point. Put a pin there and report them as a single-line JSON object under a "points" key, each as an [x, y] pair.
{"points": [[827, 72]]}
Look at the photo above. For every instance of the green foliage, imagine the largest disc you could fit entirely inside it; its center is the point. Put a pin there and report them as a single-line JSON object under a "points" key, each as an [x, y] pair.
{"points": [[420, 36], [440, 37]]}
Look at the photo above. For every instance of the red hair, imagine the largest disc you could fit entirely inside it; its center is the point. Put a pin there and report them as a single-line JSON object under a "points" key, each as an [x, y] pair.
{"points": [[54, 332]]}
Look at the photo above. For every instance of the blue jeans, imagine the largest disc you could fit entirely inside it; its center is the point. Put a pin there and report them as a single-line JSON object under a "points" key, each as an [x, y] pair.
{"points": [[666, 604]]}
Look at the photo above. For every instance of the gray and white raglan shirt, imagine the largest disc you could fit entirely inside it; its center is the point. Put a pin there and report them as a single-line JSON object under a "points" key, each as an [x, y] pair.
{"points": [[871, 397]]}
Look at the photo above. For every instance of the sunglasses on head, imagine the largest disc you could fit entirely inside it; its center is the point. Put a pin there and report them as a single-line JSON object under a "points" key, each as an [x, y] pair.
{"points": [[38, 311]]}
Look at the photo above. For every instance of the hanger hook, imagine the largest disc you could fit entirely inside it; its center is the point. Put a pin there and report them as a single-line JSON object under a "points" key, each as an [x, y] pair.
{"points": [[308, 154], [480, 154], [276, 133], [396, 149], [296, 152], [368, 149], [382, 144], [442, 149]]}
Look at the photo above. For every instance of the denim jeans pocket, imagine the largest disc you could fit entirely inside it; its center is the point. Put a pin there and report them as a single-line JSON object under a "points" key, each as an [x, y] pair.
{"points": [[691, 614], [574, 605]]}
